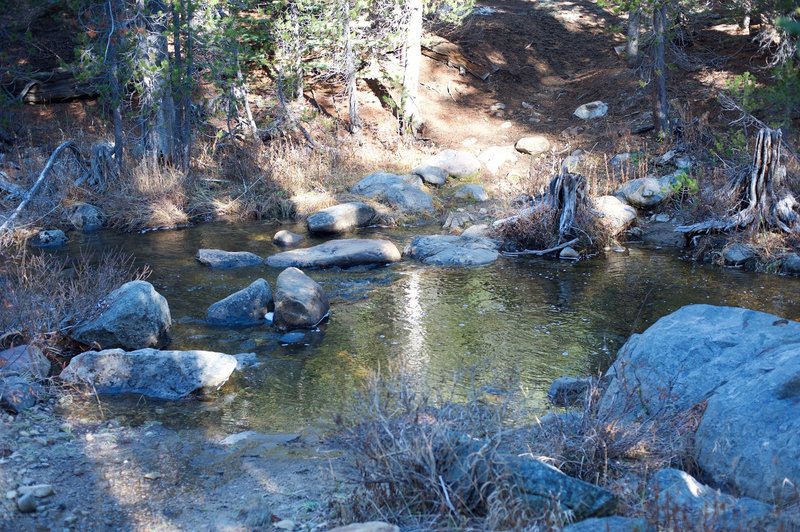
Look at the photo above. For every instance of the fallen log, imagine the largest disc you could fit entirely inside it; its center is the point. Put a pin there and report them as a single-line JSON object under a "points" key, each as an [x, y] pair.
{"points": [[759, 205], [68, 145], [50, 87], [452, 55]]}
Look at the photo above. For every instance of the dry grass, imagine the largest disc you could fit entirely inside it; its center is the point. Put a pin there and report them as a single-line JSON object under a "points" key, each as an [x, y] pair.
{"points": [[42, 297], [405, 448]]}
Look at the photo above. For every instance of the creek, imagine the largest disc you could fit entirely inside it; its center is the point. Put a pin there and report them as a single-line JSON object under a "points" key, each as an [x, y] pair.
{"points": [[513, 325]]}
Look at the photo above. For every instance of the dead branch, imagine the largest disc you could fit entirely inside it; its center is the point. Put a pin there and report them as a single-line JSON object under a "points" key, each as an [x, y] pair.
{"points": [[68, 145], [541, 252]]}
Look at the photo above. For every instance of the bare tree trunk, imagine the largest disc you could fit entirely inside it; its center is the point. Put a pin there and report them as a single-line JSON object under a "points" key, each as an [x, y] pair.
{"points": [[350, 70], [660, 100], [632, 48], [157, 118], [412, 56], [294, 21], [116, 93]]}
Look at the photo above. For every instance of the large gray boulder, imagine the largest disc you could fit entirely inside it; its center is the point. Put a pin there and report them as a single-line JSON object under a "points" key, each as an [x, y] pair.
{"points": [[135, 316], [340, 218], [457, 164], [300, 302], [432, 175], [24, 360], [472, 192], [450, 250], [376, 184], [217, 258], [745, 366], [646, 192], [684, 503], [404, 192], [616, 215], [343, 253], [245, 307], [167, 375]]}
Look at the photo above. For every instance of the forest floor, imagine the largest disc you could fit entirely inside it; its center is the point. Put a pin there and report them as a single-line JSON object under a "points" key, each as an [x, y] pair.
{"points": [[550, 57]]}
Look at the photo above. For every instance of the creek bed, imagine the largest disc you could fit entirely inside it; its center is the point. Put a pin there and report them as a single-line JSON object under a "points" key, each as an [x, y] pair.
{"points": [[516, 324]]}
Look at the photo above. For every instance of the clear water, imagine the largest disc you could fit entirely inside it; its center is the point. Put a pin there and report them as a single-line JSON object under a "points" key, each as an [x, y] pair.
{"points": [[518, 323]]}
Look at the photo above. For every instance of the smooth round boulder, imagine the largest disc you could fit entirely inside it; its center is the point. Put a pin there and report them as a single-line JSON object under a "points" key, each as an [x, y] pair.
{"points": [[86, 217], [340, 218], [300, 302], [18, 393], [378, 183], [449, 250], [616, 215], [245, 307], [534, 145], [432, 175], [49, 238], [646, 192], [457, 164], [472, 192], [217, 258], [591, 110], [286, 238], [135, 316], [169, 375], [737, 254], [342, 253]]}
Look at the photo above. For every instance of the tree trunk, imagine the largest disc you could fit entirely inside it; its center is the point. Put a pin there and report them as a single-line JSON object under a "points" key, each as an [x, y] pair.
{"points": [[661, 101], [157, 113], [412, 55], [297, 50], [759, 204], [116, 93], [350, 70], [632, 48]]}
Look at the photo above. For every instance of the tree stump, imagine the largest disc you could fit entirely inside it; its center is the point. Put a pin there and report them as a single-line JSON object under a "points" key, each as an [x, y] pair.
{"points": [[759, 205], [567, 193]]}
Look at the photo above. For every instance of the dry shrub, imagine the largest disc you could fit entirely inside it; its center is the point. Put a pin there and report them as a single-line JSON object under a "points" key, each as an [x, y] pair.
{"points": [[42, 297]]}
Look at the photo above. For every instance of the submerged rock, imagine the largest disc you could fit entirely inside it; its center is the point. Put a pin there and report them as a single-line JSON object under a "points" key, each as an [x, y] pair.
{"points": [[449, 250], [744, 366], [245, 307], [286, 238], [340, 218], [343, 253], [569, 253], [136, 316], [166, 375], [217, 258], [25, 360], [300, 302]]}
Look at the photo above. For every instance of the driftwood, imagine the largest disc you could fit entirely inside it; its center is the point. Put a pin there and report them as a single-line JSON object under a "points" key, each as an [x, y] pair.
{"points": [[68, 145], [541, 252], [12, 190], [759, 204]]}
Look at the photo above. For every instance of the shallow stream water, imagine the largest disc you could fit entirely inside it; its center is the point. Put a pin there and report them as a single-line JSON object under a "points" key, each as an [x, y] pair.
{"points": [[517, 324]]}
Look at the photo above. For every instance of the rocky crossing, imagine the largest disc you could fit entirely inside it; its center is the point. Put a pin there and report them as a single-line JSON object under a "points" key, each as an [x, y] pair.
{"points": [[740, 365]]}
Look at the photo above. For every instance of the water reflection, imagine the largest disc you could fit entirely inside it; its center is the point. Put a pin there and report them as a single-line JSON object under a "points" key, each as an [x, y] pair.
{"points": [[522, 322]]}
